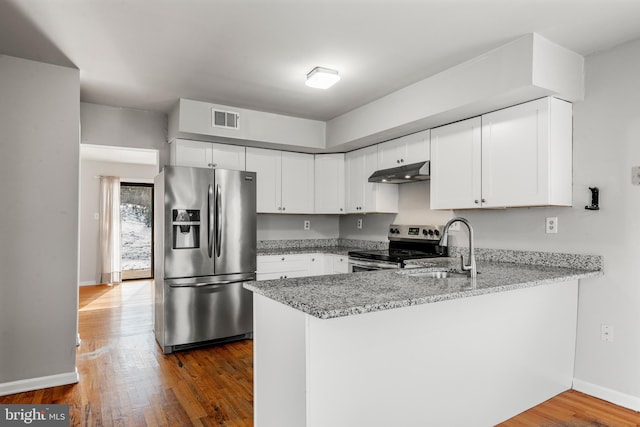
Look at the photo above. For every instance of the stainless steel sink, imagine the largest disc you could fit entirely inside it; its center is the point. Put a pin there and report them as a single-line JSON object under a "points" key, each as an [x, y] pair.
{"points": [[439, 274]]}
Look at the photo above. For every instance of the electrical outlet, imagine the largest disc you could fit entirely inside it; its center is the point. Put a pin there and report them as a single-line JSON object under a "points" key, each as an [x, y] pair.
{"points": [[606, 333], [551, 226], [359, 224], [307, 224]]}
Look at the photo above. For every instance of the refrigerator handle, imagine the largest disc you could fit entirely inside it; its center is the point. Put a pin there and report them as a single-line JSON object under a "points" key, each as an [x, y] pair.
{"points": [[210, 219], [218, 220]]}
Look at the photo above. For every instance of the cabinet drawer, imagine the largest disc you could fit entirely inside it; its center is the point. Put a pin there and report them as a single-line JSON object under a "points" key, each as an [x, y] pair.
{"points": [[283, 263]]}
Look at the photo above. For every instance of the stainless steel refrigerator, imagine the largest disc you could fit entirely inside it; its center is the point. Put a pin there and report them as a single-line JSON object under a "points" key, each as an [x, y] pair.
{"points": [[205, 247]]}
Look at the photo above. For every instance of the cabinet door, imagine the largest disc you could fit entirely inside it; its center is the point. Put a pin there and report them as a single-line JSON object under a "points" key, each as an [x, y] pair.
{"points": [[354, 166], [228, 156], [391, 153], [515, 155], [268, 165], [316, 265], [329, 184], [456, 165], [378, 198], [416, 147], [340, 264], [191, 153], [297, 182]]}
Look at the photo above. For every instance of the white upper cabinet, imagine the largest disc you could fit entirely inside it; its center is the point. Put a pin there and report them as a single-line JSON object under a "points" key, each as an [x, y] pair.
{"points": [[402, 151], [297, 182], [526, 155], [518, 156], [267, 164], [329, 184], [363, 196], [284, 180], [456, 165], [199, 154]]}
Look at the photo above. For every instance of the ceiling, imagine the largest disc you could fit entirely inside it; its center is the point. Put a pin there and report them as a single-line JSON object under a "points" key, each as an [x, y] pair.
{"points": [[255, 53], [103, 153]]}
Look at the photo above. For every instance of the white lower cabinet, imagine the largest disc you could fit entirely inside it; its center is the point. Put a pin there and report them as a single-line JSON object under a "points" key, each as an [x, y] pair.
{"points": [[283, 266], [339, 264], [271, 267]]}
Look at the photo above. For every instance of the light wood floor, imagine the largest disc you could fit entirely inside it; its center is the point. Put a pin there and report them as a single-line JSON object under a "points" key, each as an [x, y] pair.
{"points": [[125, 379]]}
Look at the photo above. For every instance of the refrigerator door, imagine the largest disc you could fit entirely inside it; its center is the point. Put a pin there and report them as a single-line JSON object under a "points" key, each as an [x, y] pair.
{"points": [[188, 222], [235, 222], [199, 311]]}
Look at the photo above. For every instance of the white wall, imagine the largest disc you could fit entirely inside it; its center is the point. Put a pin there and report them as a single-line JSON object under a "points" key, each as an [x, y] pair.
{"points": [[125, 127], [90, 171], [290, 227], [606, 145], [374, 226], [39, 169]]}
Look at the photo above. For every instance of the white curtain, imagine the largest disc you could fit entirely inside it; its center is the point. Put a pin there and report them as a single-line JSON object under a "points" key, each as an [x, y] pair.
{"points": [[110, 271]]}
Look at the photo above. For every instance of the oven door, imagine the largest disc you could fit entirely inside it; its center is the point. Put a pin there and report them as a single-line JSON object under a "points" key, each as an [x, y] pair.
{"points": [[356, 265]]}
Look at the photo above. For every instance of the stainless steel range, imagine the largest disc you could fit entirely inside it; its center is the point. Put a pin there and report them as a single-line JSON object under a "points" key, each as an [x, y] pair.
{"points": [[406, 242]]}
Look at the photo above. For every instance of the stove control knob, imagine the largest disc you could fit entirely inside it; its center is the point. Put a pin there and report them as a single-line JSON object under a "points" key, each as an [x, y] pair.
{"points": [[430, 233], [424, 231], [436, 233]]}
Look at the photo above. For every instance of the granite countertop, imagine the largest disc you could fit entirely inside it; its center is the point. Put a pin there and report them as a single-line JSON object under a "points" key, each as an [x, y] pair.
{"points": [[342, 295], [337, 250]]}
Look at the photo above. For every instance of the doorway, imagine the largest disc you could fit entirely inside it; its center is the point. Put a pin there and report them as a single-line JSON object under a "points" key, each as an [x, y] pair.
{"points": [[136, 230]]}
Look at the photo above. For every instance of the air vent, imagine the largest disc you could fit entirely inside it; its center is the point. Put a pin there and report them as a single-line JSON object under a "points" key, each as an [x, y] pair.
{"points": [[225, 119]]}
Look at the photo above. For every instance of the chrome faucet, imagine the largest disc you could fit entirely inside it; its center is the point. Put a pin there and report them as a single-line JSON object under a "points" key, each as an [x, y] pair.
{"points": [[471, 267]]}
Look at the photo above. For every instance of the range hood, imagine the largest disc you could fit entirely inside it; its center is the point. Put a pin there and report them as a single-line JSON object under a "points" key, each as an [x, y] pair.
{"points": [[402, 174]]}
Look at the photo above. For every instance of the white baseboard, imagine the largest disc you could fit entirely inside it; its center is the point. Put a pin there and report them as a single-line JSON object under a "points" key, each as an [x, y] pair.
{"points": [[88, 283], [613, 396], [38, 383]]}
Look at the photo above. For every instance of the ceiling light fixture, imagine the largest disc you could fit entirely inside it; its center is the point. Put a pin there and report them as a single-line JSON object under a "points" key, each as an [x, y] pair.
{"points": [[322, 78]]}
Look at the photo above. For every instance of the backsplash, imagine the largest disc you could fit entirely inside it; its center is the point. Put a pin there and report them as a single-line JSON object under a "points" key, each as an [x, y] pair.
{"points": [[321, 243], [551, 259]]}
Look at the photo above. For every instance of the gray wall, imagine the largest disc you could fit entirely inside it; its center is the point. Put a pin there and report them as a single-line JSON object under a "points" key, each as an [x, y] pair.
{"points": [[285, 227], [90, 205], [39, 118], [124, 127], [606, 145]]}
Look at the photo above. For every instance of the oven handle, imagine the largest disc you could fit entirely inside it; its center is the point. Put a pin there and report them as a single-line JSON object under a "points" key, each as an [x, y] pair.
{"points": [[372, 265]]}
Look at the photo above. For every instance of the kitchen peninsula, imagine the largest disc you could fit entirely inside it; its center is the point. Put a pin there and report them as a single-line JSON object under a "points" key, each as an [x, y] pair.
{"points": [[394, 348]]}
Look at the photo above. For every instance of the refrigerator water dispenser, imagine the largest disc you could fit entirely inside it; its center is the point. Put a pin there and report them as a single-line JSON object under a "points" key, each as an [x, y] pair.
{"points": [[186, 228]]}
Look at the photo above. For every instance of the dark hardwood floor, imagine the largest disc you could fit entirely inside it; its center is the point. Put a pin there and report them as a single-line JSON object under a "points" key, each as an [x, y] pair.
{"points": [[125, 380]]}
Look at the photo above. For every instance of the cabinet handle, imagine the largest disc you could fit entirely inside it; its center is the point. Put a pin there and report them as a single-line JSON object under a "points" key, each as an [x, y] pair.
{"points": [[397, 161], [476, 201], [340, 209], [285, 277], [279, 208], [401, 160], [214, 165], [283, 208], [282, 259], [313, 259], [210, 165], [484, 201]]}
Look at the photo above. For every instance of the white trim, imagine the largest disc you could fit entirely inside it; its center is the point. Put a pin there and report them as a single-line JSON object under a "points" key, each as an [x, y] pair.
{"points": [[610, 395], [88, 283], [39, 382]]}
